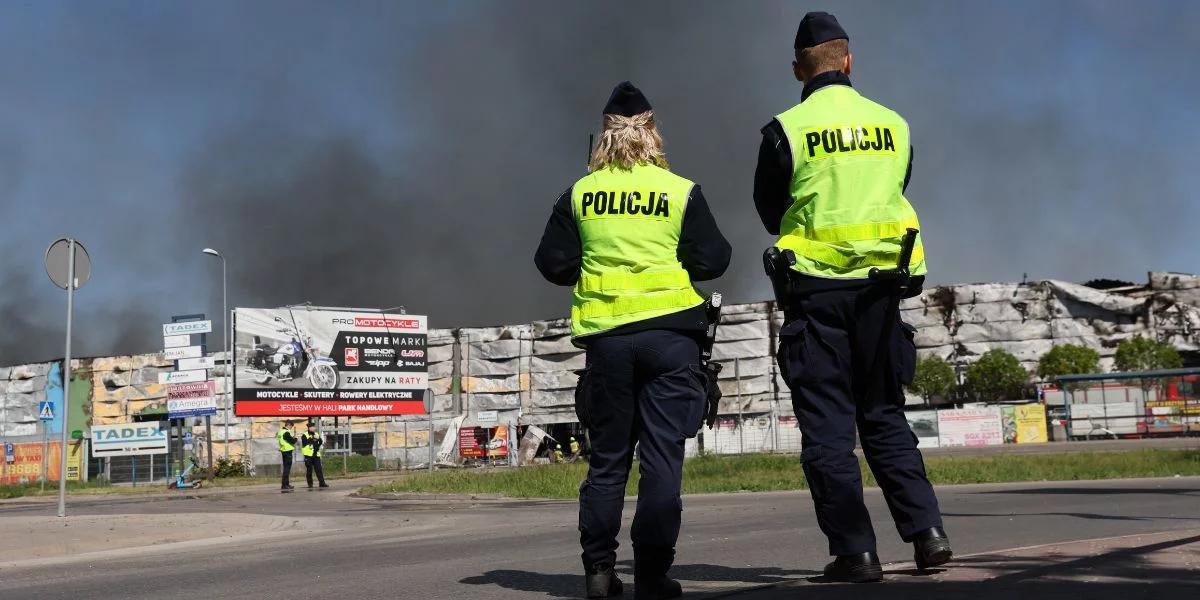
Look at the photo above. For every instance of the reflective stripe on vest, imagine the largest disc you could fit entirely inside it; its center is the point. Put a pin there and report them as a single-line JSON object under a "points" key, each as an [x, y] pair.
{"points": [[284, 446], [629, 225], [848, 212]]}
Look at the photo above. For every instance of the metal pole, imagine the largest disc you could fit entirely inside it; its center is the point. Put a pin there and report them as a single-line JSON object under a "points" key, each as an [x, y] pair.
{"points": [[62, 479], [225, 340], [775, 411], [737, 376], [430, 412], [45, 453]]}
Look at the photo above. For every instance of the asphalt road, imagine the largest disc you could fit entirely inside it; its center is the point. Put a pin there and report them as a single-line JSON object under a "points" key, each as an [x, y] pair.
{"points": [[733, 544]]}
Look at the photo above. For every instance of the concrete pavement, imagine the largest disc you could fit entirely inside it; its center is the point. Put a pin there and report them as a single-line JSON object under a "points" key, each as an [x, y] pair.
{"points": [[735, 545]]}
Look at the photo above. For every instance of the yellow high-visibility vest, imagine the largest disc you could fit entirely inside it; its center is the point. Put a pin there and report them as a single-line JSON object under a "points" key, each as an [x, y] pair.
{"points": [[629, 226], [849, 160], [284, 446], [305, 448]]}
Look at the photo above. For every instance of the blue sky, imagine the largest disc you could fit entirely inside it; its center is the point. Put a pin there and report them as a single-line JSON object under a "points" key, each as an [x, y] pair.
{"points": [[386, 153]]}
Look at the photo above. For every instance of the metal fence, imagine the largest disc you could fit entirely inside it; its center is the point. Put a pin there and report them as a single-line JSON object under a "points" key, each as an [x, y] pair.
{"points": [[1134, 404]]}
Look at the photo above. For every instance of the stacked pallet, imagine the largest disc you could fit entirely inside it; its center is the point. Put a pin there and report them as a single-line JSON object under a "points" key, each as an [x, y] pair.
{"points": [[22, 388], [126, 387], [748, 374], [493, 362], [553, 367], [961, 323]]}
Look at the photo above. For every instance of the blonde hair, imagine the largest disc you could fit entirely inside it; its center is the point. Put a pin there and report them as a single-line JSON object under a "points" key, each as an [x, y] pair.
{"points": [[627, 141]]}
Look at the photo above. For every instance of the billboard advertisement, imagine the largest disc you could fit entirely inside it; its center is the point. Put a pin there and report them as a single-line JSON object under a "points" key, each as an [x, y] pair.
{"points": [[129, 439], [26, 462], [480, 442], [970, 427], [924, 425], [191, 400], [1031, 424], [325, 362]]}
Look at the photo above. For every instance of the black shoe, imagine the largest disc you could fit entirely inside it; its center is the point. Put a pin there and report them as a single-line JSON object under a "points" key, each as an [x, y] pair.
{"points": [[650, 566], [601, 582], [855, 568], [931, 548], [324, 486], [656, 588]]}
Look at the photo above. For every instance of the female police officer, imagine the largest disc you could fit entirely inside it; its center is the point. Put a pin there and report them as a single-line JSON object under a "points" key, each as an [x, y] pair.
{"points": [[631, 237]]}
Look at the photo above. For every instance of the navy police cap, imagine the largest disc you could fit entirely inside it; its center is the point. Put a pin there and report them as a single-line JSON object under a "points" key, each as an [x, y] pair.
{"points": [[818, 28]]}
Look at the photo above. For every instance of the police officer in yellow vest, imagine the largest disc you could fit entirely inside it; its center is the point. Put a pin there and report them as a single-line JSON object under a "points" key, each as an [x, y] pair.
{"points": [[830, 183], [310, 447], [631, 237], [287, 444]]}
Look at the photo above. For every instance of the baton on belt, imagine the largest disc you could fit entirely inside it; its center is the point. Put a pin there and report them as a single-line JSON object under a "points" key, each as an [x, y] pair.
{"points": [[712, 309], [897, 281]]}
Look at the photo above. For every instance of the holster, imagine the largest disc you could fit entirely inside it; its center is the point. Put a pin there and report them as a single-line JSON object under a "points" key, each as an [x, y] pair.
{"points": [[712, 369], [712, 394], [778, 266]]}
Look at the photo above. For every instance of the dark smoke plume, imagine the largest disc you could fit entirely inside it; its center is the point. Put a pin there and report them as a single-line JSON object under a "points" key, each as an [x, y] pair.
{"points": [[409, 153]]}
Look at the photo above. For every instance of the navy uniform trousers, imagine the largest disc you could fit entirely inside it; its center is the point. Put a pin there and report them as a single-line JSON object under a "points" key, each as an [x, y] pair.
{"points": [[643, 389], [826, 354]]}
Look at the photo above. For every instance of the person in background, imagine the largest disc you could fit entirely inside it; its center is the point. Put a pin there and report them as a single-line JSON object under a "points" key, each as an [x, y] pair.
{"points": [[287, 444], [558, 453], [574, 446], [310, 447]]}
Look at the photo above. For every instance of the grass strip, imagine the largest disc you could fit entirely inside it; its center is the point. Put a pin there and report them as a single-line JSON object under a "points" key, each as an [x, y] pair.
{"points": [[774, 472]]}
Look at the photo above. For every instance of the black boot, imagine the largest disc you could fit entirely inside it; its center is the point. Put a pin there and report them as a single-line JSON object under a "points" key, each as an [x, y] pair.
{"points": [[656, 588], [855, 568], [931, 548], [650, 581], [602, 582]]}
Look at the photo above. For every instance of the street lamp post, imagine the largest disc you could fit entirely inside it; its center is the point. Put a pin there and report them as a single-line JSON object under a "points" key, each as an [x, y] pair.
{"points": [[225, 347]]}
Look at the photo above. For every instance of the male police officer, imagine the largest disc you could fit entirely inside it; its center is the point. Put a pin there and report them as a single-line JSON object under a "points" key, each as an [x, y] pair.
{"points": [[310, 447], [287, 444], [830, 182], [632, 237]]}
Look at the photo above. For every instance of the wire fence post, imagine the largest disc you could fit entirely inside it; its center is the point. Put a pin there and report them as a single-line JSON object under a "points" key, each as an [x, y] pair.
{"points": [[774, 409], [429, 413], [737, 377]]}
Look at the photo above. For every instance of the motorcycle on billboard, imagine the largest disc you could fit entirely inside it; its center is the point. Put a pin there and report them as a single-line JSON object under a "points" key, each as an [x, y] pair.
{"points": [[291, 360]]}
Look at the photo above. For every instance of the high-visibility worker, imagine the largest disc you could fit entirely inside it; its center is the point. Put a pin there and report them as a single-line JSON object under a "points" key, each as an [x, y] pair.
{"points": [[632, 237], [310, 447], [287, 444], [574, 446], [558, 453], [830, 183]]}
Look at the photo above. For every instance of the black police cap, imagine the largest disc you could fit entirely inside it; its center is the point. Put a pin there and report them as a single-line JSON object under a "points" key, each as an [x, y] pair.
{"points": [[626, 100], [818, 28]]}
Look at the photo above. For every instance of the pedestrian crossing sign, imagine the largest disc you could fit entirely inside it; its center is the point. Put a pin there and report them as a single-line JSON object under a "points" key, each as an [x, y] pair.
{"points": [[46, 411]]}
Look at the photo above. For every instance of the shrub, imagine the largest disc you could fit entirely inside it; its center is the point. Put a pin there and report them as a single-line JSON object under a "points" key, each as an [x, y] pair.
{"points": [[238, 466], [1144, 354], [1068, 359], [997, 375], [934, 377]]}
